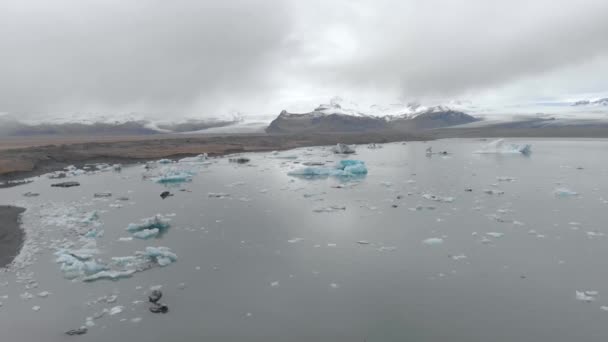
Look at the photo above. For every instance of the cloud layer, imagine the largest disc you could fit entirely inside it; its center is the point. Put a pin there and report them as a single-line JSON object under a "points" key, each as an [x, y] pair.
{"points": [[207, 57]]}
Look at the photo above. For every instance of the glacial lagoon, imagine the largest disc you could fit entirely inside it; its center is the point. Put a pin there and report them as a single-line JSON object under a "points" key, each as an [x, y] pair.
{"points": [[456, 246]]}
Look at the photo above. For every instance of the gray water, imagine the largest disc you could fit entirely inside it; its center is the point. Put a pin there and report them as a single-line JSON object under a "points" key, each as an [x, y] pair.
{"points": [[518, 287]]}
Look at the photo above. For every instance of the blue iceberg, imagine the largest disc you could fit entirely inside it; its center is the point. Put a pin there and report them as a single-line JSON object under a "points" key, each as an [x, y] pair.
{"points": [[149, 227], [347, 168]]}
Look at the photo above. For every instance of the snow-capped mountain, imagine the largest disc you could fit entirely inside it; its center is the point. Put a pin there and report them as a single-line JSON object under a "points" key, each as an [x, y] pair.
{"points": [[598, 102], [335, 118]]}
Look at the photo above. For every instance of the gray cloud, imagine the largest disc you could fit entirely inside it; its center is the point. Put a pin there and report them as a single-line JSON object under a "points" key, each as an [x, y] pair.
{"points": [[183, 57]]}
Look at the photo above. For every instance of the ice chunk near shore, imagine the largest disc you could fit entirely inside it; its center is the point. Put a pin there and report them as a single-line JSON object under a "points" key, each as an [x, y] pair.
{"points": [[564, 192], [500, 147], [342, 149], [158, 221], [343, 169], [197, 159]]}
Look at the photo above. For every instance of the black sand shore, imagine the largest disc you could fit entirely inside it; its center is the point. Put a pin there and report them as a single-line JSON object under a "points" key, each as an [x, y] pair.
{"points": [[11, 234]]}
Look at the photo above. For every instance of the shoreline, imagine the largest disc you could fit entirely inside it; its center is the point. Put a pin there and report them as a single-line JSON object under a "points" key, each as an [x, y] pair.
{"points": [[11, 234], [34, 156], [25, 162]]}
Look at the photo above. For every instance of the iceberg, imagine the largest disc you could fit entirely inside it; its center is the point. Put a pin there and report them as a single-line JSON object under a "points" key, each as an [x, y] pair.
{"points": [[174, 176], [145, 234], [564, 192], [436, 198], [111, 275], [157, 221], [162, 255], [500, 147], [74, 265], [433, 241], [343, 169], [197, 159], [342, 149]]}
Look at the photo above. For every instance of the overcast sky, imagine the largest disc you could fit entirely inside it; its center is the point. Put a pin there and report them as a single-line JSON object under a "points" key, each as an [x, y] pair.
{"points": [[209, 57]]}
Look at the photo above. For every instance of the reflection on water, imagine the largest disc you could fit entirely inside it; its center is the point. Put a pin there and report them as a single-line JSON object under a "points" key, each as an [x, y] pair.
{"points": [[455, 247]]}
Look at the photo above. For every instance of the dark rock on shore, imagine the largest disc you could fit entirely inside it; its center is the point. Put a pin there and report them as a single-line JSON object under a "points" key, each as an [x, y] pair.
{"points": [[11, 234]]}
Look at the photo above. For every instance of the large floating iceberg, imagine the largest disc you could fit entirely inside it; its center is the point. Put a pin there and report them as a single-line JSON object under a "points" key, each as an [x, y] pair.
{"points": [[149, 227], [174, 176], [344, 169], [500, 147], [161, 255]]}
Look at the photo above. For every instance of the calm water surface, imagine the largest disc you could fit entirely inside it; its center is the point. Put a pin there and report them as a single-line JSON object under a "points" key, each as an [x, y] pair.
{"points": [[263, 265]]}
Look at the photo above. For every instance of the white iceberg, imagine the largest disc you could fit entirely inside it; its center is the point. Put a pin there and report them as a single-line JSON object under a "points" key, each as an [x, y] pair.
{"points": [[197, 159], [145, 234], [433, 241], [342, 149], [500, 147]]}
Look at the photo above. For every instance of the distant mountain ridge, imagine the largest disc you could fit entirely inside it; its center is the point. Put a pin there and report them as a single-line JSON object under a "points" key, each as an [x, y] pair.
{"points": [[10, 126], [598, 102], [333, 118]]}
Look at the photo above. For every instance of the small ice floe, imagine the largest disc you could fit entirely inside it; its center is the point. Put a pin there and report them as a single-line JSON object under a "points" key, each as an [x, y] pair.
{"points": [[433, 241], [363, 242], [334, 286], [330, 209], [43, 294], [586, 296], [458, 257], [274, 284], [436, 198], [218, 195], [505, 179], [145, 234], [110, 275], [495, 234], [342, 149], [36, 308], [295, 240], [493, 192], [116, 310], [500, 147], [387, 249], [594, 234], [136, 320], [102, 194], [26, 296], [564, 192], [79, 331]]}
